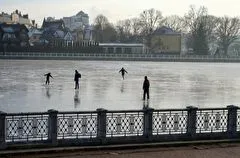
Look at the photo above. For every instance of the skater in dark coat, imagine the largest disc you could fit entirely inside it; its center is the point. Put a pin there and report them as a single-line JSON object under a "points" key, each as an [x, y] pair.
{"points": [[123, 72], [76, 79], [146, 86], [48, 75]]}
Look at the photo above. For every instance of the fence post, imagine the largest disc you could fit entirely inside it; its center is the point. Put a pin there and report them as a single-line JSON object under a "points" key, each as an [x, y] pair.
{"points": [[2, 130], [148, 122], [52, 126], [232, 121], [191, 121], [101, 123]]}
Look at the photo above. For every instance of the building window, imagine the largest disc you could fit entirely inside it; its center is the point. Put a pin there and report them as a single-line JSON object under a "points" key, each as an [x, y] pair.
{"points": [[128, 50], [110, 50], [105, 50], [118, 50]]}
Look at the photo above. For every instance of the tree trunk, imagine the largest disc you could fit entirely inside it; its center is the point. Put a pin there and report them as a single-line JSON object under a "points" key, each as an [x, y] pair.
{"points": [[225, 49]]}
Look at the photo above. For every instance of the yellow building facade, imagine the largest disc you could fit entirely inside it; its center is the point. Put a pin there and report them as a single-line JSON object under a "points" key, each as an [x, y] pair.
{"points": [[166, 44], [164, 40]]}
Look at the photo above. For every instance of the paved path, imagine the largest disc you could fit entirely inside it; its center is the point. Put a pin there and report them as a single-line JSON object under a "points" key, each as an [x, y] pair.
{"points": [[194, 151]]}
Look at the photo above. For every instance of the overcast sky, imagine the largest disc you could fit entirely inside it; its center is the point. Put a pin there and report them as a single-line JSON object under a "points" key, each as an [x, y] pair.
{"points": [[114, 10]]}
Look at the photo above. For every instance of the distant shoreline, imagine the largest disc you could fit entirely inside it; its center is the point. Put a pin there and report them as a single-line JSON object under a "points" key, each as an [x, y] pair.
{"points": [[113, 57]]}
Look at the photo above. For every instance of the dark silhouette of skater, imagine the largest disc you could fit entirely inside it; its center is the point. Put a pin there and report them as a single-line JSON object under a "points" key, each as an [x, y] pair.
{"points": [[146, 86], [123, 72], [76, 79], [48, 75]]}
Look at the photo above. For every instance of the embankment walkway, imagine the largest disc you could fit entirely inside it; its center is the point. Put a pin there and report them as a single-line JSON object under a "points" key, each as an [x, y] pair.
{"points": [[197, 149]]}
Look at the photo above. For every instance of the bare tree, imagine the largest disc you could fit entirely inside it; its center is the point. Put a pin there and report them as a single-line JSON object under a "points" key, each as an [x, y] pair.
{"points": [[124, 28], [136, 26], [196, 22], [174, 22], [101, 21], [103, 30], [211, 24], [193, 16], [149, 20], [227, 31], [110, 33]]}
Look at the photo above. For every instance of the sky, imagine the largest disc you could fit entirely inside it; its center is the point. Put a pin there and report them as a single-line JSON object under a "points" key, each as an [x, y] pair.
{"points": [[114, 10]]}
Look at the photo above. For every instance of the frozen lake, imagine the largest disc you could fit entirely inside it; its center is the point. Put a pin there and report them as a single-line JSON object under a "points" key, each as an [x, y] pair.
{"points": [[173, 85]]}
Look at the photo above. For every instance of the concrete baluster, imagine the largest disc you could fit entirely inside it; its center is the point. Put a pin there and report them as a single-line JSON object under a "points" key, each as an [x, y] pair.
{"points": [[148, 122], [2, 130], [52, 126], [232, 121], [101, 123], [191, 121]]}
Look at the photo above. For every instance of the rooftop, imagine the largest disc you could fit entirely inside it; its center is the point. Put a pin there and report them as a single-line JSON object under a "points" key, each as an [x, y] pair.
{"points": [[165, 30], [121, 44]]}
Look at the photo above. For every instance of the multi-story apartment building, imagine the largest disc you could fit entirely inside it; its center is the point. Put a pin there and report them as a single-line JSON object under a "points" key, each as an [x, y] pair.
{"points": [[79, 26], [15, 18], [78, 21]]}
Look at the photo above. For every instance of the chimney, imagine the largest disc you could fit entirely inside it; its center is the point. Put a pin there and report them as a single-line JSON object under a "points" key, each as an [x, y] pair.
{"points": [[33, 22]]}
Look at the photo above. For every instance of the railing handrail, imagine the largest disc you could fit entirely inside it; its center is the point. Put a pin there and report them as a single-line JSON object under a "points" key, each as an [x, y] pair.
{"points": [[109, 111], [202, 109], [76, 112], [124, 111], [27, 113], [185, 109], [102, 125]]}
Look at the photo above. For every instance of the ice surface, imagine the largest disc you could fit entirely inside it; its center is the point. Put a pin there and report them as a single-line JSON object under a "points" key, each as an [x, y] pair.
{"points": [[173, 85]]}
